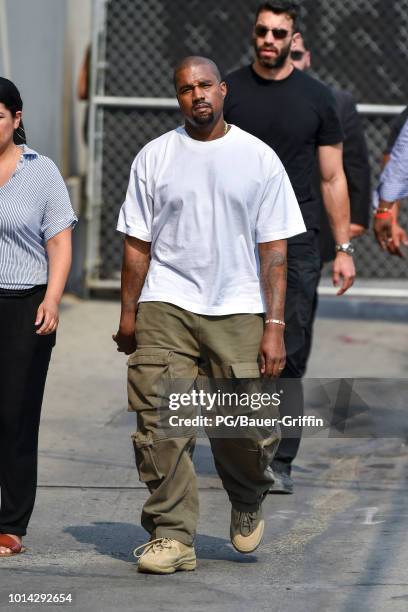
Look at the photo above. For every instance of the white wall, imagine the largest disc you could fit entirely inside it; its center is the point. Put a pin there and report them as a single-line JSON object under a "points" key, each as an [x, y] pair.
{"points": [[4, 42], [46, 40], [35, 30]]}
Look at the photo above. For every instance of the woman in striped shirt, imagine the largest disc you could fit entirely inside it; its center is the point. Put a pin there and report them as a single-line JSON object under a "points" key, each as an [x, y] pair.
{"points": [[36, 219]]}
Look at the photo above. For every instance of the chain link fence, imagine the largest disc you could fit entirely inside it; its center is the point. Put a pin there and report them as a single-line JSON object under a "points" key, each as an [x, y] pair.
{"points": [[359, 47]]}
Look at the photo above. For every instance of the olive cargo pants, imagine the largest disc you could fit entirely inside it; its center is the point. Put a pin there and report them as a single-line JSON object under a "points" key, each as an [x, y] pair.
{"points": [[175, 344]]}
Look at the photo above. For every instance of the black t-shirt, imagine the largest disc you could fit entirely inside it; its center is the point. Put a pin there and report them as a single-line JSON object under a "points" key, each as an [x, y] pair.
{"points": [[293, 116]]}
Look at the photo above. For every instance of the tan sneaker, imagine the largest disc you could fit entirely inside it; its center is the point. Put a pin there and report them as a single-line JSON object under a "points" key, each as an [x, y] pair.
{"points": [[165, 556], [246, 530]]}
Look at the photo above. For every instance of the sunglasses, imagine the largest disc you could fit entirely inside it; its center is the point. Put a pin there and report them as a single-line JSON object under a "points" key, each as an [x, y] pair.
{"points": [[296, 56], [278, 33]]}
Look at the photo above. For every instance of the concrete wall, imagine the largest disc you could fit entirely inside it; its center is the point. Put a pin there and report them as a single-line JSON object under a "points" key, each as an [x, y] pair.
{"points": [[46, 40]]}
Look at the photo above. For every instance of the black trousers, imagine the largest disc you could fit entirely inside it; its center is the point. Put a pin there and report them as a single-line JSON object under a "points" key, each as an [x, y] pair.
{"points": [[24, 359], [303, 279]]}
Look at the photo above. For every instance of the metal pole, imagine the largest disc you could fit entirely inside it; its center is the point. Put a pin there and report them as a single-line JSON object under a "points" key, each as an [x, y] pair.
{"points": [[170, 103], [380, 109], [362, 290], [94, 199], [119, 101]]}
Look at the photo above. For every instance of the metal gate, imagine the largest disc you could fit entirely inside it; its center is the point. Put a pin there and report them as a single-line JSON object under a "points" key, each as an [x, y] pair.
{"points": [[360, 47]]}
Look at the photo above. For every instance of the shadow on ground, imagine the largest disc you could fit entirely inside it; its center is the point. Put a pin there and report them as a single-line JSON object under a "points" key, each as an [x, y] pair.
{"points": [[118, 540]]}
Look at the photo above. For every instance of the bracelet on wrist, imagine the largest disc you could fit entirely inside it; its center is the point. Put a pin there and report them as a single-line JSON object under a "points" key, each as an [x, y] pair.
{"points": [[275, 322], [383, 215]]}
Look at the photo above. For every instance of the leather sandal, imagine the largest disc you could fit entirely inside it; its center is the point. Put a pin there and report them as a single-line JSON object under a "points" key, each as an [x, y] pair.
{"points": [[8, 542]]}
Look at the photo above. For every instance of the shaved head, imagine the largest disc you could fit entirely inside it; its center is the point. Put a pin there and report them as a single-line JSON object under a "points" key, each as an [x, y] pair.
{"points": [[200, 94], [196, 60]]}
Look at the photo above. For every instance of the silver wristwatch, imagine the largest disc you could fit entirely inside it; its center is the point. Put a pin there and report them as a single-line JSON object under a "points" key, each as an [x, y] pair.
{"points": [[346, 247]]}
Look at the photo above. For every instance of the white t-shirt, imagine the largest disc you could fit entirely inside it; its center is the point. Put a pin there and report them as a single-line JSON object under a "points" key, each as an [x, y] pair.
{"points": [[204, 206]]}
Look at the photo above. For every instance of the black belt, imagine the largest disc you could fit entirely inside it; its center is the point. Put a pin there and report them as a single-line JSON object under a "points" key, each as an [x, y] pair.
{"points": [[13, 293]]}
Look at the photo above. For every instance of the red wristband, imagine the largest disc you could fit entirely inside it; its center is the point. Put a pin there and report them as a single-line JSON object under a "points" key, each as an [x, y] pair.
{"points": [[383, 215]]}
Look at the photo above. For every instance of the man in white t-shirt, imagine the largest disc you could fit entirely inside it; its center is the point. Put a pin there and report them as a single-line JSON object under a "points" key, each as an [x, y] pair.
{"points": [[206, 217]]}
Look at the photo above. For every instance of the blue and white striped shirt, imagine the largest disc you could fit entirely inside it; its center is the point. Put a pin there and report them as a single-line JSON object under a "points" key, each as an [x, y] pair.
{"points": [[34, 207], [394, 178]]}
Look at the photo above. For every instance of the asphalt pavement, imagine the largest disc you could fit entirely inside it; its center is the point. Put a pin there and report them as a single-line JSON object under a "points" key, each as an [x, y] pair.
{"points": [[338, 544]]}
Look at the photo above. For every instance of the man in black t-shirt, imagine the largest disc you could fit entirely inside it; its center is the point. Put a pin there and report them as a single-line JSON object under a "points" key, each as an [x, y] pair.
{"points": [[355, 162], [295, 115], [355, 159]]}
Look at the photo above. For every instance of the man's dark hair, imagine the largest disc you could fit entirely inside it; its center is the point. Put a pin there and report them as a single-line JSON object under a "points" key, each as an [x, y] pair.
{"points": [[196, 60], [278, 7], [306, 46]]}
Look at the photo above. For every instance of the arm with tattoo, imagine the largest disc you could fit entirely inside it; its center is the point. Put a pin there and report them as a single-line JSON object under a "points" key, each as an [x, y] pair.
{"points": [[135, 266], [273, 270]]}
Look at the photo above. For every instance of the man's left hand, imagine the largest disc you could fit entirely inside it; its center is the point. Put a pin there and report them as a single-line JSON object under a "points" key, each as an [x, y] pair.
{"points": [[399, 239], [272, 351], [343, 269], [383, 231]]}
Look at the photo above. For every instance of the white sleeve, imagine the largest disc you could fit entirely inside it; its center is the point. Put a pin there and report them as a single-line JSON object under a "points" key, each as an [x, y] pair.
{"points": [[279, 215], [135, 217], [58, 213]]}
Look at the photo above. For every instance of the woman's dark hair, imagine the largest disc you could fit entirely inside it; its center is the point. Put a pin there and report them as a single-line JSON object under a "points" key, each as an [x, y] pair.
{"points": [[10, 97]]}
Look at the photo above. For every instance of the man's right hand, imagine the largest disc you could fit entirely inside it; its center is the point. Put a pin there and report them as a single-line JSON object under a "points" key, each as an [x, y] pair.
{"points": [[125, 340], [343, 272]]}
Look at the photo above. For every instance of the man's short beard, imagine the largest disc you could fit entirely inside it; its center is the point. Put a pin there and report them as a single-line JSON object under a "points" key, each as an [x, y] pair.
{"points": [[204, 120], [278, 62]]}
